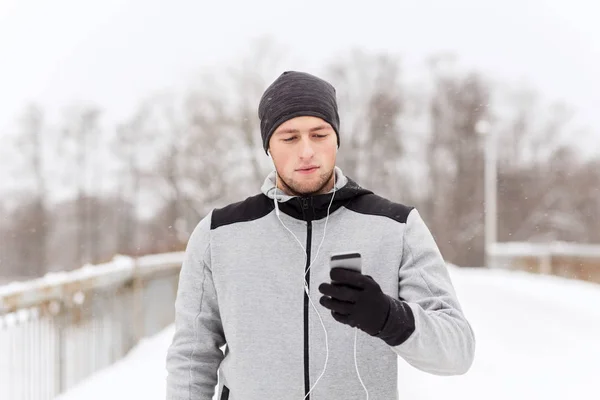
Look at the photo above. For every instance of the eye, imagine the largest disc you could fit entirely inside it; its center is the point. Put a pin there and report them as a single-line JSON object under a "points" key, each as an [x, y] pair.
{"points": [[289, 139]]}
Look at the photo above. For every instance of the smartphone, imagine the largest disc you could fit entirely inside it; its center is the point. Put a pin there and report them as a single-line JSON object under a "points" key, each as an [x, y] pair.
{"points": [[351, 261]]}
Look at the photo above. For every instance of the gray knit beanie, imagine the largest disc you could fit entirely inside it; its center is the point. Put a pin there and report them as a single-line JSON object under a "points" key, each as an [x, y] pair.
{"points": [[295, 94]]}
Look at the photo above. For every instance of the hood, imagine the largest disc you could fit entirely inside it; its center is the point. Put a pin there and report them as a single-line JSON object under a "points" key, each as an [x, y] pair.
{"points": [[314, 206]]}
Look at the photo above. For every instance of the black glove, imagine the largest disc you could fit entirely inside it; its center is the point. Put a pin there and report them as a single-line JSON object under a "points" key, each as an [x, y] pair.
{"points": [[356, 300]]}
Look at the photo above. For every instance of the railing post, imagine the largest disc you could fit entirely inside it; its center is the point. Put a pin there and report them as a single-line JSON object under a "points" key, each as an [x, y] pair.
{"points": [[138, 302], [60, 352], [546, 263]]}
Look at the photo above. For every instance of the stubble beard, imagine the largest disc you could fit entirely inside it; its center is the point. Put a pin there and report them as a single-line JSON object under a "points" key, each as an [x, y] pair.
{"points": [[295, 189]]}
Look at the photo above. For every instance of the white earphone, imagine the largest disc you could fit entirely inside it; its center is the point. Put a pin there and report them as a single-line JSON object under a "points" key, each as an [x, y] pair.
{"points": [[306, 284]]}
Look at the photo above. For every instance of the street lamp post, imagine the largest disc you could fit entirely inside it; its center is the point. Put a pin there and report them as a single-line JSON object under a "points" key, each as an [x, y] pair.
{"points": [[490, 182]]}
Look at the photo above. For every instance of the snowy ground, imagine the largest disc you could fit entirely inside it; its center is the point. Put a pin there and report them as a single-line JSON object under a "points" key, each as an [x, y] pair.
{"points": [[538, 337]]}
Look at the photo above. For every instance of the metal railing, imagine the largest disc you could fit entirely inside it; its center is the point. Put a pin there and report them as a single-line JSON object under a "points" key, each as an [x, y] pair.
{"points": [[60, 329]]}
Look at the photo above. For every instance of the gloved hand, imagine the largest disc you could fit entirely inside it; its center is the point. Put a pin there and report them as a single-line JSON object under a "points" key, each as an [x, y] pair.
{"points": [[355, 300]]}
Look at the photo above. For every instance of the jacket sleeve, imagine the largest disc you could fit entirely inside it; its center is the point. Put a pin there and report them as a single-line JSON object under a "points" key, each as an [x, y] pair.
{"points": [[426, 325], [194, 355]]}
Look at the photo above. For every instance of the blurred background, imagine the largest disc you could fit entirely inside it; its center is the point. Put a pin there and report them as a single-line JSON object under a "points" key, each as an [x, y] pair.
{"points": [[123, 123]]}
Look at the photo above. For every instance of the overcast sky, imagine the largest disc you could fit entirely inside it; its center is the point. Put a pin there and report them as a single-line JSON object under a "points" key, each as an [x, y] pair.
{"points": [[114, 52]]}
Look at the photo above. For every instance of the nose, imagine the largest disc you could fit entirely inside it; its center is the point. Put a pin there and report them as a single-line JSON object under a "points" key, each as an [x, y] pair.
{"points": [[306, 150]]}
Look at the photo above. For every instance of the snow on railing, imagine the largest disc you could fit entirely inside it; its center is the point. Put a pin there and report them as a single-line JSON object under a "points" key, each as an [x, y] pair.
{"points": [[542, 249], [569, 260], [57, 330]]}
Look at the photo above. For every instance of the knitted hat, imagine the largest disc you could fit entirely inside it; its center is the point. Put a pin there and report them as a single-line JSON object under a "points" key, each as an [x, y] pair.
{"points": [[295, 94]]}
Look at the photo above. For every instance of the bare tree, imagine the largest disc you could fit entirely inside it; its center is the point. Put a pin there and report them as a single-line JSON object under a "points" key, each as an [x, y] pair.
{"points": [[455, 161], [31, 145], [80, 139], [24, 224], [530, 131], [132, 147], [169, 169], [371, 103], [584, 185], [166, 121], [535, 169], [7, 265], [63, 255], [212, 161], [11, 258]]}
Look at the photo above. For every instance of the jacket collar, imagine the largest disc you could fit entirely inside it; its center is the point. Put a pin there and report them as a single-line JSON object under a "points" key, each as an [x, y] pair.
{"points": [[314, 207]]}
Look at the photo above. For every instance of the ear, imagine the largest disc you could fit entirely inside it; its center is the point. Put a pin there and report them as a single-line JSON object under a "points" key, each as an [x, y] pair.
{"points": [[271, 157]]}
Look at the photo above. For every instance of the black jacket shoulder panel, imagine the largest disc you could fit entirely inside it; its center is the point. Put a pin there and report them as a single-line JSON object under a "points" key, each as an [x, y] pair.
{"points": [[250, 209], [373, 204]]}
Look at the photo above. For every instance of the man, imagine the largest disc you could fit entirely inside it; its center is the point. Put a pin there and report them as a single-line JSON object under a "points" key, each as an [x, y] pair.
{"points": [[250, 267]]}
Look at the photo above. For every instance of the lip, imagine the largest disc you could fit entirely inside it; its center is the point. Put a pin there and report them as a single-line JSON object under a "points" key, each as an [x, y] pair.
{"points": [[308, 169]]}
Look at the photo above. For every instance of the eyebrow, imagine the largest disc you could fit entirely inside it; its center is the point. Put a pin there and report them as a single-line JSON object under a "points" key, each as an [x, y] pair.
{"points": [[315, 129]]}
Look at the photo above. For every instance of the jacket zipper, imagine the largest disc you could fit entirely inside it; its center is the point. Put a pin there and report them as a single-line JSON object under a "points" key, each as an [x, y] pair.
{"points": [[307, 276]]}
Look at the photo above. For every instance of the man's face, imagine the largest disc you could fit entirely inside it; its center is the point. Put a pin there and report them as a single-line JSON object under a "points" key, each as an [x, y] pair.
{"points": [[303, 150]]}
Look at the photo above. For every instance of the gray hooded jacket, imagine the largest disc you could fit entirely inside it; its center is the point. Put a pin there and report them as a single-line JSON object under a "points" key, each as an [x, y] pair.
{"points": [[241, 285]]}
